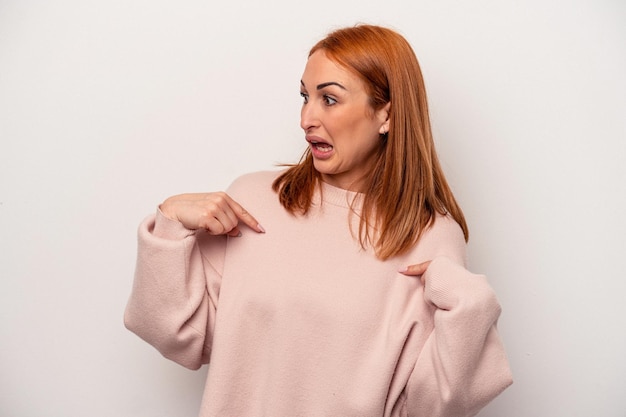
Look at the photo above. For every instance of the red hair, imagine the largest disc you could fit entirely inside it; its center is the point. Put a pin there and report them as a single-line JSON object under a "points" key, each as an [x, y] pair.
{"points": [[406, 187]]}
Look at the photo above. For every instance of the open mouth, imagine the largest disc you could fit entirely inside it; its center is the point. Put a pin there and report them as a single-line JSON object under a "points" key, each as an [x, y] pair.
{"points": [[320, 149], [318, 145], [321, 146]]}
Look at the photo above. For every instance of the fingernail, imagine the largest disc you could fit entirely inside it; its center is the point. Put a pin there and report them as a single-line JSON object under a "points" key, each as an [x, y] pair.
{"points": [[260, 228], [239, 234], [403, 270]]}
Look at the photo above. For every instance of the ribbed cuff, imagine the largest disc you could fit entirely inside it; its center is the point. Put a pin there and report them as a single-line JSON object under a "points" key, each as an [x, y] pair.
{"points": [[167, 228]]}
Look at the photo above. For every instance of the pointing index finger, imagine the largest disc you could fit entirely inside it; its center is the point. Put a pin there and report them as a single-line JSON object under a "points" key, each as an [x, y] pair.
{"points": [[243, 215]]}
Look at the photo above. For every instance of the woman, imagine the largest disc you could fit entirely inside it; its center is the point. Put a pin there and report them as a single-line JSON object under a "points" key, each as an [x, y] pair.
{"points": [[316, 312]]}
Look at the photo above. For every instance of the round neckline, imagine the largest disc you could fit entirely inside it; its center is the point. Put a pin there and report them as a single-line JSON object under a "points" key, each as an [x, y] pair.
{"points": [[336, 196]]}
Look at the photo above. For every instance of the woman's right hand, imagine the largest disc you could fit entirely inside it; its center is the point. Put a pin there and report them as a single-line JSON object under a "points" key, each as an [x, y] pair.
{"points": [[216, 213]]}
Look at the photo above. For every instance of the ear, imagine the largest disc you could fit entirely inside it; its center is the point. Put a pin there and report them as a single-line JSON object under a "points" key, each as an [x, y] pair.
{"points": [[383, 116]]}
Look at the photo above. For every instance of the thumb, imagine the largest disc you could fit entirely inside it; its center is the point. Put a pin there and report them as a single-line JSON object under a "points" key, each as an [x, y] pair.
{"points": [[415, 269], [235, 232]]}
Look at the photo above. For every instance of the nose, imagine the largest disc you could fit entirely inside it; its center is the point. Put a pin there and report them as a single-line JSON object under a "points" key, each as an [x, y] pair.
{"points": [[308, 117]]}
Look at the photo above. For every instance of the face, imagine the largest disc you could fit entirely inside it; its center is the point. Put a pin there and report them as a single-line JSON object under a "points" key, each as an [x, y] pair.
{"points": [[342, 128]]}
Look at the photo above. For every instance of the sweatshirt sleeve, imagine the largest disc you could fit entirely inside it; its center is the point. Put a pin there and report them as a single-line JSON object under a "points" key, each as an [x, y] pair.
{"points": [[173, 302], [463, 365]]}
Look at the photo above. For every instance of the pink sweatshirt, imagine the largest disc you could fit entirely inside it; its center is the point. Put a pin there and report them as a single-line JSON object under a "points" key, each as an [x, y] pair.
{"points": [[300, 321]]}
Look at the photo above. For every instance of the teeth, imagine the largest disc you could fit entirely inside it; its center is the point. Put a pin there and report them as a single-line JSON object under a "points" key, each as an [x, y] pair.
{"points": [[323, 147]]}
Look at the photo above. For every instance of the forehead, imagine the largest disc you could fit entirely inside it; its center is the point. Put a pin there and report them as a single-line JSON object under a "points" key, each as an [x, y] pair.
{"points": [[320, 69]]}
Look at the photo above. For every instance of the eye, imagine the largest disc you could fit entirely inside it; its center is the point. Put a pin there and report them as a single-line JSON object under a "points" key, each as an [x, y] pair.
{"points": [[329, 101], [304, 96]]}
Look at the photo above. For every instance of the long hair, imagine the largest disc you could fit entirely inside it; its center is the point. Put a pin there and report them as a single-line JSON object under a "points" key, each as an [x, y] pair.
{"points": [[406, 187]]}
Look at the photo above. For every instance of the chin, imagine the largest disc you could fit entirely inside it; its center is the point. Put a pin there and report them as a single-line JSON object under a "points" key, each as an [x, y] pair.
{"points": [[322, 167]]}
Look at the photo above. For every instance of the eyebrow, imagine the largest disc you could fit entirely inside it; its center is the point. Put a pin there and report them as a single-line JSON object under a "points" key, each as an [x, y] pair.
{"points": [[324, 85]]}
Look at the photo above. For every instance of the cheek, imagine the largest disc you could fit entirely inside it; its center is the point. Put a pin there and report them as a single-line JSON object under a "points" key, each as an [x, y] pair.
{"points": [[349, 127], [352, 130]]}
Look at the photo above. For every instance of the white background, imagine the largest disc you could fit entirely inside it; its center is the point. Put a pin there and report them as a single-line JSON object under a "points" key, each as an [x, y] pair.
{"points": [[108, 107]]}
